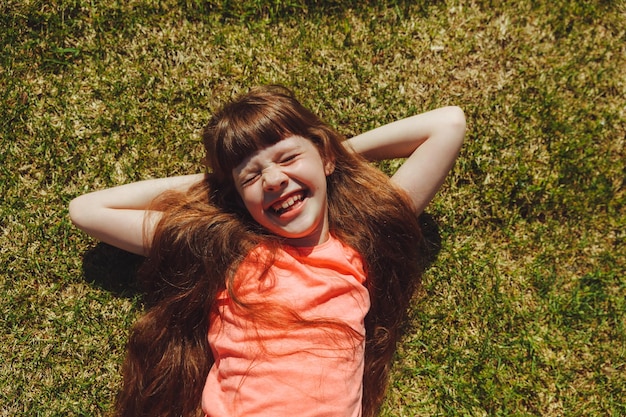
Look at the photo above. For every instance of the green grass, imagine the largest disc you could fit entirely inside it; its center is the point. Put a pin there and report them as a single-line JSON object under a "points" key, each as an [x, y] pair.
{"points": [[524, 311]]}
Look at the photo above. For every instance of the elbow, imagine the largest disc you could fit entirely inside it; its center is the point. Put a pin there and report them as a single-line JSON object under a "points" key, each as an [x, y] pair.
{"points": [[456, 119], [77, 212], [74, 211]]}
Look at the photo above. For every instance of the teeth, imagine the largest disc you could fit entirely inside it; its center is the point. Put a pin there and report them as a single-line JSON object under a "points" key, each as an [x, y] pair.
{"points": [[287, 203]]}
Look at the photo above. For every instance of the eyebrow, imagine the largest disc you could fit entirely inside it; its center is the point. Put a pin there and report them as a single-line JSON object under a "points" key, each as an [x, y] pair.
{"points": [[295, 147], [241, 175]]}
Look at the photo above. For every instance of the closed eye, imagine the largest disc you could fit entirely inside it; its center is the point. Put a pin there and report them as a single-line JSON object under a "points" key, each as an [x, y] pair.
{"points": [[288, 159], [250, 179]]}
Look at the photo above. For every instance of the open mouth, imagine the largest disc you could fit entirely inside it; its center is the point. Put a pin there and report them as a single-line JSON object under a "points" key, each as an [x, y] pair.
{"points": [[287, 204]]}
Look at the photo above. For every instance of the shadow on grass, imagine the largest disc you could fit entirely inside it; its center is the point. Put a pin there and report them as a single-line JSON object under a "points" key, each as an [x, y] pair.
{"points": [[432, 238], [258, 10], [112, 270]]}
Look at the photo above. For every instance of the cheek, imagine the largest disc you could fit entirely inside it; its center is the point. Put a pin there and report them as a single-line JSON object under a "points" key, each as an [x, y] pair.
{"points": [[249, 199]]}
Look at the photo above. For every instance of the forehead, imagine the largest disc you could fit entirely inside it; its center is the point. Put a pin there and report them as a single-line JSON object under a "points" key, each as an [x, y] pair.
{"points": [[267, 155]]}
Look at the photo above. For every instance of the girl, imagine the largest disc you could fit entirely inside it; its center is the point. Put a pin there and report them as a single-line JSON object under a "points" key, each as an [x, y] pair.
{"points": [[277, 284]]}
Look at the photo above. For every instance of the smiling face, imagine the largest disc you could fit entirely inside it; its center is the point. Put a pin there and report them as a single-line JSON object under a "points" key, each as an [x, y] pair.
{"points": [[283, 187]]}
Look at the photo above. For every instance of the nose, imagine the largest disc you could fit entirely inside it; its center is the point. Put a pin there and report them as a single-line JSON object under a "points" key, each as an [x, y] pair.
{"points": [[274, 178]]}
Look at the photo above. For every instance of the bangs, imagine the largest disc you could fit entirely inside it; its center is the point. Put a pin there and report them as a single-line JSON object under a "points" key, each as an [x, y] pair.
{"points": [[252, 123], [246, 133]]}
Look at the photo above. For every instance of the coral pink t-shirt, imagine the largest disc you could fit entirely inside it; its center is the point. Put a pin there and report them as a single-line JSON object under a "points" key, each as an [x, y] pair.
{"points": [[262, 370]]}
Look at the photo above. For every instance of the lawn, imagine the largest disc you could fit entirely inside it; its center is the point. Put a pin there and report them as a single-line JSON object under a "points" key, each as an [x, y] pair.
{"points": [[523, 311]]}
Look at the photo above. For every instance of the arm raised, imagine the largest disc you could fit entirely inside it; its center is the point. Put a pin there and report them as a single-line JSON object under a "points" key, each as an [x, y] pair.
{"points": [[430, 141], [119, 216]]}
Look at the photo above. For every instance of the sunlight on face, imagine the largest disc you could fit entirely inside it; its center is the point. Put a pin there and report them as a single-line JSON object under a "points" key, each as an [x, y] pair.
{"points": [[283, 187]]}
